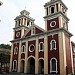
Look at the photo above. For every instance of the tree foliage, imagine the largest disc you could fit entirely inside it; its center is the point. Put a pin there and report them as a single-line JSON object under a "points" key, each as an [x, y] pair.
{"points": [[4, 58], [5, 46]]}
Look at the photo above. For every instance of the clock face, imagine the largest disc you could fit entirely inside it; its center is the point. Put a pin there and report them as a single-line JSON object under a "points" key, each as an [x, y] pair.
{"points": [[53, 23], [17, 34]]}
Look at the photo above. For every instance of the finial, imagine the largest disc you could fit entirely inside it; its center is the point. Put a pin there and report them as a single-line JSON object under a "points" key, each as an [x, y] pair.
{"points": [[25, 7]]}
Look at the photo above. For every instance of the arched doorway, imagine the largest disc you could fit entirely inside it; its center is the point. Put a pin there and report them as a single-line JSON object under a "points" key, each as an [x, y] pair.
{"points": [[22, 66], [31, 66], [41, 66]]}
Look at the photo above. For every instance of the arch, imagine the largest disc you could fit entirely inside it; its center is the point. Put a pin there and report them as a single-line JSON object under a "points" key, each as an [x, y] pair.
{"points": [[31, 65], [52, 9], [41, 66], [31, 57], [22, 67], [15, 65], [53, 65], [41, 58]]}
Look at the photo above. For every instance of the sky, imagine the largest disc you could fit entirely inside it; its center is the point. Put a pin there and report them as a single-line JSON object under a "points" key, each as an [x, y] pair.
{"points": [[12, 8]]}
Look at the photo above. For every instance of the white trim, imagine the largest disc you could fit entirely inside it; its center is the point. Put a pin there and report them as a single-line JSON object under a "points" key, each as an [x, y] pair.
{"points": [[51, 24], [16, 65], [30, 46], [16, 50], [51, 65], [22, 49], [51, 7], [51, 45], [39, 47], [18, 34]]}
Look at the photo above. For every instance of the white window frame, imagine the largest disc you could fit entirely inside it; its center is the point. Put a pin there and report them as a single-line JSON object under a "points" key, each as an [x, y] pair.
{"points": [[51, 24], [15, 52], [51, 65], [39, 47], [22, 49], [51, 45], [30, 46], [51, 7], [16, 65], [17, 34]]}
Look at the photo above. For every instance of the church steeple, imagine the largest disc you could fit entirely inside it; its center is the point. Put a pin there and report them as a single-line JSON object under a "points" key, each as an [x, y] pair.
{"points": [[22, 23], [56, 9]]}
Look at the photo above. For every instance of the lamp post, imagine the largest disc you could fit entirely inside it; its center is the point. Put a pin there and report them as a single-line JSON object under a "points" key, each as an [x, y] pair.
{"points": [[1, 3]]}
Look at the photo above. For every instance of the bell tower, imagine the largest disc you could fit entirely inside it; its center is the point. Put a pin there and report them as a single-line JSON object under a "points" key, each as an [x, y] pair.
{"points": [[55, 15], [56, 22], [22, 23]]}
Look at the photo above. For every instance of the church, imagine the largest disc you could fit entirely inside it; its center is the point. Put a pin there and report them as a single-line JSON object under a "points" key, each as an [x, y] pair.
{"points": [[43, 51]]}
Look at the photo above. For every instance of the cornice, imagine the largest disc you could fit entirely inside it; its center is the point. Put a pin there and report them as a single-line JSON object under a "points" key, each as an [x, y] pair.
{"points": [[45, 33], [51, 16], [19, 27], [28, 17]]}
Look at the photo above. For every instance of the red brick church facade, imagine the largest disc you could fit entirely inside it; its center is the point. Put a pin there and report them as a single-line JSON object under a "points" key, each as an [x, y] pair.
{"points": [[38, 51]]}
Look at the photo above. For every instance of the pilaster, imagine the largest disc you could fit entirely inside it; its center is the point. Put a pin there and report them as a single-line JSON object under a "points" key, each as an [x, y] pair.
{"points": [[62, 53], [60, 22], [22, 32], [19, 57], [36, 56], [26, 54], [55, 8], [45, 55]]}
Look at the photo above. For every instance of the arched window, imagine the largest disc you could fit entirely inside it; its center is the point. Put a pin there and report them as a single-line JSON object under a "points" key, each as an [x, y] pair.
{"points": [[15, 50], [41, 46], [52, 9], [23, 49], [53, 45], [53, 65], [19, 22], [15, 65]]}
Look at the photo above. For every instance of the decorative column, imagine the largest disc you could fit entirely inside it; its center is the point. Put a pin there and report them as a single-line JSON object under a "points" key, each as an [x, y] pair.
{"points": [[45, 54], [36, 57], [60, 22], [45, 24], [48, 10], [26, 54], [55, 8], [22, 32], [72, 59], [58, 7], [26, 22], [11, 58], [29, 23], [23, 21], [19, 57]]}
